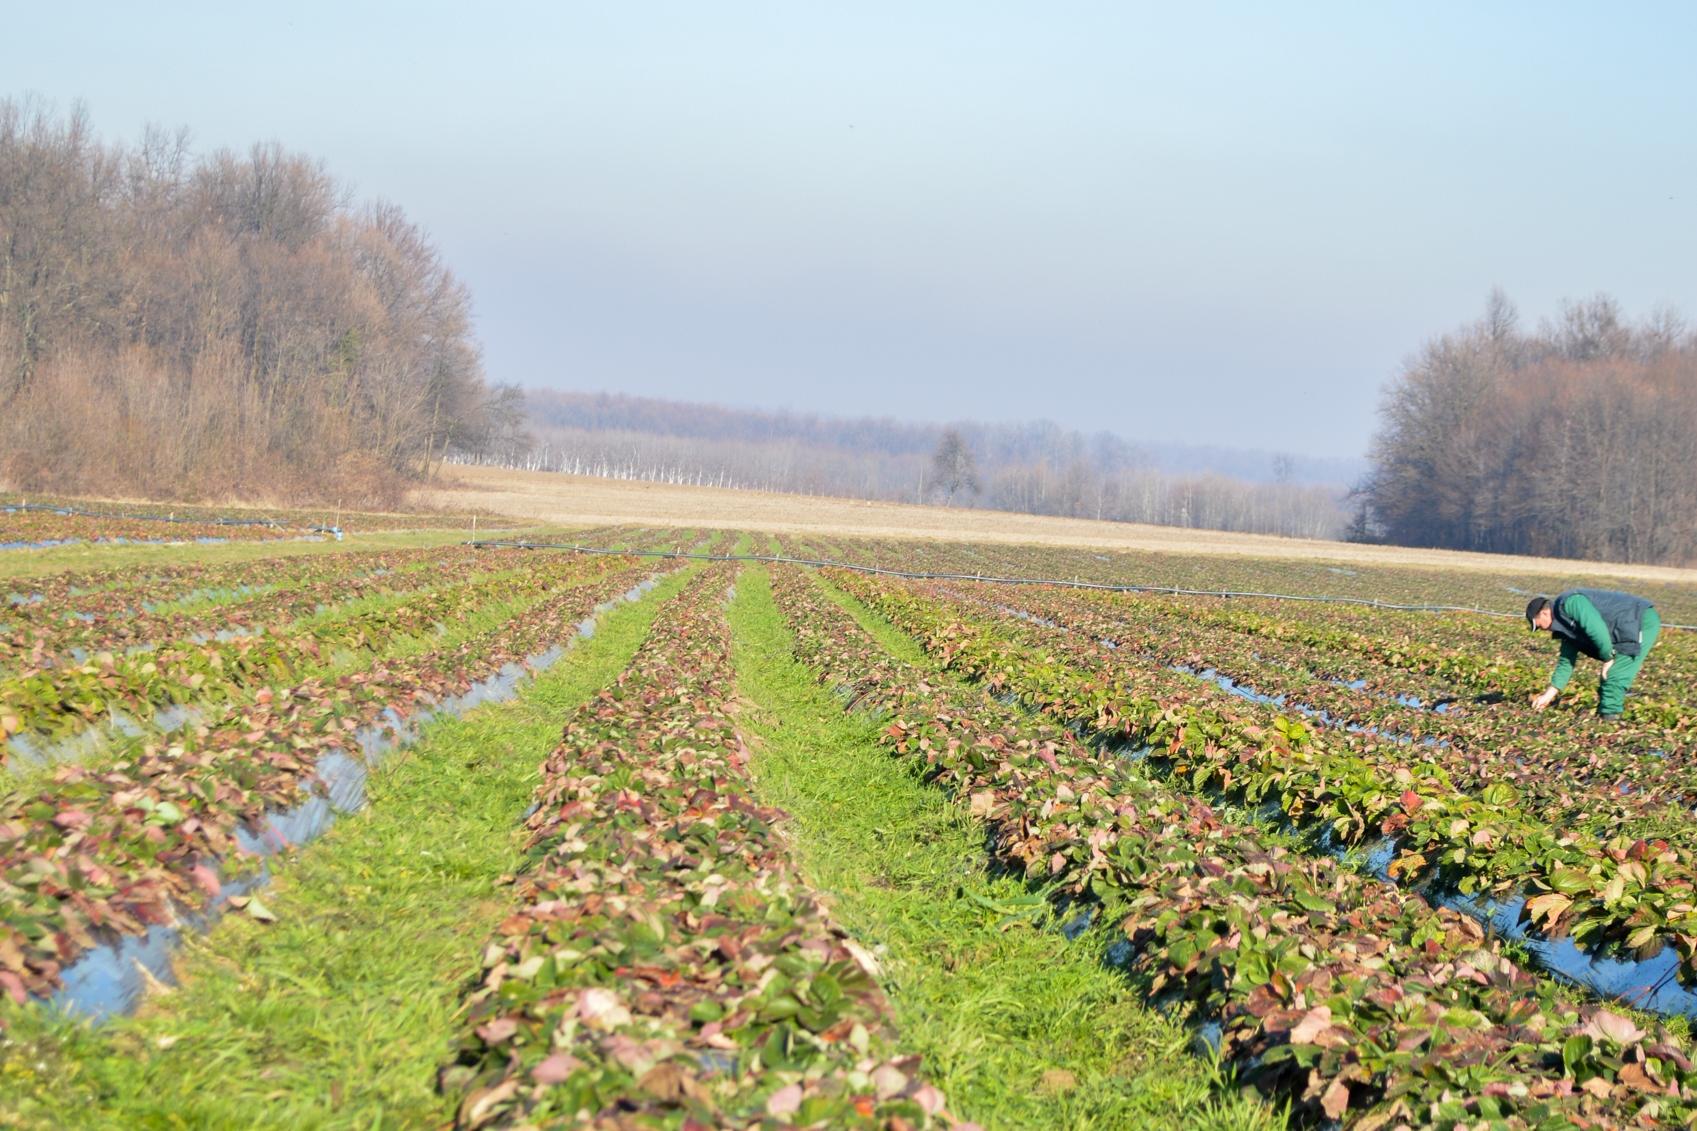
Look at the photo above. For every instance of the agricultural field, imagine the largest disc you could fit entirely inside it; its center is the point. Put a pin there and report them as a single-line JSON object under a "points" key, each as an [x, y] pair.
{"points": [[407, 830]]}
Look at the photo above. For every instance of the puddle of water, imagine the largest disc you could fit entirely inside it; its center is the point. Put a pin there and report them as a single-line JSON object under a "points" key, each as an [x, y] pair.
{"points": [[716, 1061], [207, 593], [1242, 691], [112, 980], [48, 544], [118, 728], [36, 751], [1032, 617], [1650, 983], [222, 636], [1078, 924], [175, 716]]}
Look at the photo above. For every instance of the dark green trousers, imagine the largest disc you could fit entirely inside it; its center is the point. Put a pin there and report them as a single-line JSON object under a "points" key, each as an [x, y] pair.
{"points": [[1611, 692]]}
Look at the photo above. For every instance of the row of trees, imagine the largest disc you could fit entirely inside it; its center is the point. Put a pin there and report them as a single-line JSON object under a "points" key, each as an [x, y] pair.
{"points": [[1033, 468], [229, 325], [1573, 440]]}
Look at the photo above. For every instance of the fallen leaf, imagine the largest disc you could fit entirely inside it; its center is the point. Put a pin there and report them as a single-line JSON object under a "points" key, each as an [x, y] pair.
{"points": [[1616, 1028], [498, 1030], [554, 1069], [784, 1101], [600, 1009], [1313, 1023], [1547, 908], [888, 1081], [1059, 1080], [1335, 1101]]}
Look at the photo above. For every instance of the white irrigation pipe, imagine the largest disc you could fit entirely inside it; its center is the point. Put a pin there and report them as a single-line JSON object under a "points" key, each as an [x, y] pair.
{"points": [[1055, 581]]}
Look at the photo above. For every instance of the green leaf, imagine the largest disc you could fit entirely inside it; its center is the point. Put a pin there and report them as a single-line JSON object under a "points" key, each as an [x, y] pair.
{"points": [[1573, 1053]]}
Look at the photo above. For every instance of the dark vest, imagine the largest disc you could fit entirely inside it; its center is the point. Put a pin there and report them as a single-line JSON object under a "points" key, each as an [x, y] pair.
{"points": [[1621, 612]]}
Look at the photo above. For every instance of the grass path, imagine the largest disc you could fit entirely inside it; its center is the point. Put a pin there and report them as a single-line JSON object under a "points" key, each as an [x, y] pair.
{"points": [[1021, 1028], [338, 1014]]}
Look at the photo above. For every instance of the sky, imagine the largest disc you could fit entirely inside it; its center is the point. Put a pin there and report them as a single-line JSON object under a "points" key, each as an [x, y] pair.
{"points": [[1198, 223]]}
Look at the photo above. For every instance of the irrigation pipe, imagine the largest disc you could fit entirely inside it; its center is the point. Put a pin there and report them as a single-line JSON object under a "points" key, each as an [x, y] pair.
{"points": [[1054, 581]]}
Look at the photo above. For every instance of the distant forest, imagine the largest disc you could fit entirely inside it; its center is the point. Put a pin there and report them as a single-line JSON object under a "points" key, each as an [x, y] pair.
{"points": [[229, 325], [1034, 468], [1576, 440]]}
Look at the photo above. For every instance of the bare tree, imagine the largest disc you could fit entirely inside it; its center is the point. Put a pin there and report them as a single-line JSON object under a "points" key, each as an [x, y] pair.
{"points": [[1572, 443], [952, 466], [229, 325]]}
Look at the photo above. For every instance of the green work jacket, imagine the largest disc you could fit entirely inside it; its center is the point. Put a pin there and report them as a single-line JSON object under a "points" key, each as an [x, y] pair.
{"points": [[1597, 623]]}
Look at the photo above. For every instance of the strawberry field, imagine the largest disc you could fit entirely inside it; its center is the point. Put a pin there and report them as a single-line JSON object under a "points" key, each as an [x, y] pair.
{"points": [[401, 831]]}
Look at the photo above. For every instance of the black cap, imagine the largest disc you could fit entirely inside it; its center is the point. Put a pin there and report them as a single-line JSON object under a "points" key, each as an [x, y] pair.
{"points": [[1533, 608]]}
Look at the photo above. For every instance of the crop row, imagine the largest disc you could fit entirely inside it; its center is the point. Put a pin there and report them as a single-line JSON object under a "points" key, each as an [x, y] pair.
{"points": [[1503, 590], [40, 636], [666, 964], [1350, 997], [1359, 789], [1564, 774], [56, 702], [1481, 670], [56, 602], [294, 518], [1502, 637], [1530, 658], [127, 590], [52, 527], [99, 852]]}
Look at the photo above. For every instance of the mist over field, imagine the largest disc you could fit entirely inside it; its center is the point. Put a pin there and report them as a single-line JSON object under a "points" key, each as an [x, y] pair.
{"points": [[1033, 468]]}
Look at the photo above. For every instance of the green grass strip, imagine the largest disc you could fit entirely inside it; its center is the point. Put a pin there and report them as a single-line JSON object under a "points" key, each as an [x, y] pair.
{"points": [[339, 1013], [1018, 1026], [892, 639]]}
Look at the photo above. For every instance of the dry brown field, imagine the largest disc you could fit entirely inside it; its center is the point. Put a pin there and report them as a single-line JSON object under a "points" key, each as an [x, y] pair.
{"points": [[572, 500]]}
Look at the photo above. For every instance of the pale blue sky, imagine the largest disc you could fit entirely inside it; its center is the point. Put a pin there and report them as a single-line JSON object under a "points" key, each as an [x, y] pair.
{"points": [[1220, 223]]}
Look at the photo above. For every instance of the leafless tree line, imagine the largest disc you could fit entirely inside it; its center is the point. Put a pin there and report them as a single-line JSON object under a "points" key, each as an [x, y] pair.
{"points": [[1036, 468], [1575, 440], [219, 326]]}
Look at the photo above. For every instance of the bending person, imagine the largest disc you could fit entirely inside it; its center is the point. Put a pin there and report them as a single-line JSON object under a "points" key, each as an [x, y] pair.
{"points": [[1618, 629]]}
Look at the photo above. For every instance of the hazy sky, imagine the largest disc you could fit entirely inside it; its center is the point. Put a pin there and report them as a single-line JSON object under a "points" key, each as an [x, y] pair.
{"points": [[1220, 223]]}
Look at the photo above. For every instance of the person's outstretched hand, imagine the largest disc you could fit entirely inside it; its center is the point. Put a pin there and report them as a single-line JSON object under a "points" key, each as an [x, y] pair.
{"points": [[1544, 698]]}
